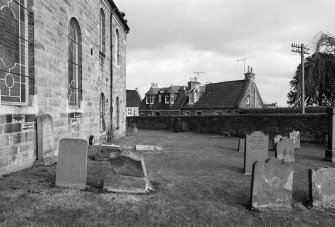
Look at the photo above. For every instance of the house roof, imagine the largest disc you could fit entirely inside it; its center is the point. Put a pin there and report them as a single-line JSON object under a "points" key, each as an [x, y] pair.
{"points": [[221, 95], [179, 102], [133, 98]]}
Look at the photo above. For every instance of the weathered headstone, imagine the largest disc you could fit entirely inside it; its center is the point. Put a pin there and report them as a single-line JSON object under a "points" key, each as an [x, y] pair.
{"points": [[295, 135], [105, 151], [276, 139], [322, 187], [241, 145], [45, 140], [256, 149], [72, 163], [129, 174], [132, 130], [271, 184], [285, 150]]}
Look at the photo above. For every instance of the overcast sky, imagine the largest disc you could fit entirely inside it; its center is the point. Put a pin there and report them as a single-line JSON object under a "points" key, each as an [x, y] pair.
{"points": [[171, 39]]}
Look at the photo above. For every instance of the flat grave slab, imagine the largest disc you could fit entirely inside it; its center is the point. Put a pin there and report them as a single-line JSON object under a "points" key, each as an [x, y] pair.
{"points": [[105, 151], [272, 184], [71, 169], [147, 148]]}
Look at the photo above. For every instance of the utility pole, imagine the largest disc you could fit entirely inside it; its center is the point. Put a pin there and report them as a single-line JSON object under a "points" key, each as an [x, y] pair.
{"points": [[198, 73], [244, 59], [302, 50]]}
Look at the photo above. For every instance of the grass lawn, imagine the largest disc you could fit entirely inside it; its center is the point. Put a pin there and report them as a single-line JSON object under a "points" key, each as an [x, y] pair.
{"points": [[198, 180]]}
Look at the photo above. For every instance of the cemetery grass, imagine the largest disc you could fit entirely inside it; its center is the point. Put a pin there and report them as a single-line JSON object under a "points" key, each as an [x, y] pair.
{"points": [[198, 180]]}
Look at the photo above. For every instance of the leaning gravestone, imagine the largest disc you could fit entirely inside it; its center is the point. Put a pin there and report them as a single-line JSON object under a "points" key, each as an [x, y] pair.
{"points": [[295, 135], [256, 149], [285, 150], [271, 184], [72, 163], [322, 187], [45, 140], [129, 174], [241, 145]]}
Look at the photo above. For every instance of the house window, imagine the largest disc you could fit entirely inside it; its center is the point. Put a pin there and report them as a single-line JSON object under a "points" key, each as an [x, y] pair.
{"points": [[74, 61], [117, 47], [247, 101], [102, 37], [147, 99], [159, 98], [129, 112], [152, 99], [219, 113], [167, 98], [199, 113], [172, 98], [15, 35]]}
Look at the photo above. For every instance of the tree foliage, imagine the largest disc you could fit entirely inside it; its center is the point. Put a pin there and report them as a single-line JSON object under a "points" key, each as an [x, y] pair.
{"points": [[319, 81]]}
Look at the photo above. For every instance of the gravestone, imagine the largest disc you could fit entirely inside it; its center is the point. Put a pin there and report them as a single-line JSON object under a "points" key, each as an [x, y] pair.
{"points": [[272, 132], [322, 187], [72, 163], [105, 151], [241, 145], [132, 130], [271, 184], [256, 149], [45, 140], [128, 174], [295, 135], [276, 139], [285, 150]]}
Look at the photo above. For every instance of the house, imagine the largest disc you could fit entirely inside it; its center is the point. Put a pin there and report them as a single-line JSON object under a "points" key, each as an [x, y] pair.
{"points": [[227, 97], [133, 102], [64, 59], [163, 101]]}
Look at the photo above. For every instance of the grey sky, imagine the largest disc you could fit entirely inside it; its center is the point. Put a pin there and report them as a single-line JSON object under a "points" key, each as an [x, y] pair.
{"points": [[170, 39]]}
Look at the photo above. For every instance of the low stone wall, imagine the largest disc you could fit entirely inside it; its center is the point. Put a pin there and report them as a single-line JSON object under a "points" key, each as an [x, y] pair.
{"points": [[313, 127]]}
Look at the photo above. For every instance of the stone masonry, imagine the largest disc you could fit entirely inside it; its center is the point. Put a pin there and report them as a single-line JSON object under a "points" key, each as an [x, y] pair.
{"points": [[101, 74]]}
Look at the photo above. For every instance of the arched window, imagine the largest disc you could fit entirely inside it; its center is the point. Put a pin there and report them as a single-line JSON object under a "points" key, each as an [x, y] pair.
{"points": [[102, 113], [117, 47], [75, 68], [102, 42], [117, 113], [14, 52]]}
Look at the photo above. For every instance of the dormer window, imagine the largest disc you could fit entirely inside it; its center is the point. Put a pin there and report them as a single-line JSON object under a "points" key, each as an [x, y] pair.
{"points": [[147, 101], [247, 101], [159, 98], [167, 98], [172, 98], [151, 99]]}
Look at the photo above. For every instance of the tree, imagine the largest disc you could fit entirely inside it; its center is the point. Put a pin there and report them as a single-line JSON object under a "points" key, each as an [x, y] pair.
{"points": [[319, 81]]}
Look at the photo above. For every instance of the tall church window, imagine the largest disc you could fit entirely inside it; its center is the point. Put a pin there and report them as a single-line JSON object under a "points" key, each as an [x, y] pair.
{"points": [[117, 47], [16, 52], [75, 67], [102, 42]]}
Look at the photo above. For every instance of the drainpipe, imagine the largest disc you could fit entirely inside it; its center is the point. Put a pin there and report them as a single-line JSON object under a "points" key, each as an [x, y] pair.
{"points": [[111, 71]]}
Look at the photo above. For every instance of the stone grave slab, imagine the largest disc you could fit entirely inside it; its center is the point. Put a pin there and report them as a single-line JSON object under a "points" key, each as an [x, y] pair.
{"points": [[45, 140], [105, 151], [147, 148], [285, 150], [295, 135], [272, 184], [129, 174], [256, 149], [241, 145], [322, 187], [71, 169]]}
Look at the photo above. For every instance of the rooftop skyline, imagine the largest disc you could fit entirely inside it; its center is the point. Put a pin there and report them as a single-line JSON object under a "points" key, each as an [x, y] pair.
{"points": [[171, 39]]}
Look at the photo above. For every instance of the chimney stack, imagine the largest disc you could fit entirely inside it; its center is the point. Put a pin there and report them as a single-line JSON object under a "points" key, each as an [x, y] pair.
{"points": [[250, 76], [193, 83], [153, 84]]}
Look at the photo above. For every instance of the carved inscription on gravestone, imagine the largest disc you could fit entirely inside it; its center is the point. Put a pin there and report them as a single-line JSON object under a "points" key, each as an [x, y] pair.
{"points": [[272, 184], [45, 140], [285, 150], [72, 163], [256, 149]]}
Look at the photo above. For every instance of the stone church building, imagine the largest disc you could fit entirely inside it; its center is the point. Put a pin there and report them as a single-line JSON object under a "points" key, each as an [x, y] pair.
{"points": [[64, 59]]}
